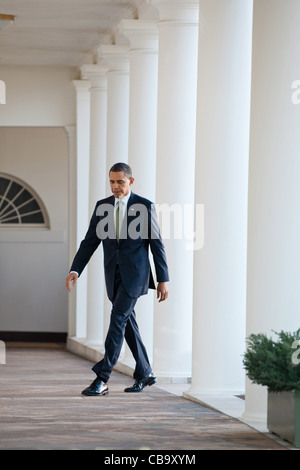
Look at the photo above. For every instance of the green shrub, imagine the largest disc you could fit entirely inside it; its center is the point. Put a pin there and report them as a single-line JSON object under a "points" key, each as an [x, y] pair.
{"points": [[270, 363]]}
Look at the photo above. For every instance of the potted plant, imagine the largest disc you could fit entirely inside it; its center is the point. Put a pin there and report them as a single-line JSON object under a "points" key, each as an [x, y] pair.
{"points": [[275, 363]]}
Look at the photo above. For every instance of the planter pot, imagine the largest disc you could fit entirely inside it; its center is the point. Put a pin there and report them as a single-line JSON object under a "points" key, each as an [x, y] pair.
{"points": [[284, 415]]}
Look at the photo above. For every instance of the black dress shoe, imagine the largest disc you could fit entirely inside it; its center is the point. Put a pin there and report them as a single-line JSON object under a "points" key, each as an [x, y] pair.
{"points": [[97, 388], [139, 385]]}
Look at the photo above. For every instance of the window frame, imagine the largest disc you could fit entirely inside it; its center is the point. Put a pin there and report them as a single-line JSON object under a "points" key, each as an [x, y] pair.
{"points": [[34, 198]]}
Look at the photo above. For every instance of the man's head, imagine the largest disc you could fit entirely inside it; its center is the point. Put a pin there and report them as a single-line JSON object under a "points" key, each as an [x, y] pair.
{"points": [[120, 178]]}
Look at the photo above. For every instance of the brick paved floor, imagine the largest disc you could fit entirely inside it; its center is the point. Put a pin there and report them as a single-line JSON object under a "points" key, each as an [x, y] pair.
{"points": [[42, 408]]}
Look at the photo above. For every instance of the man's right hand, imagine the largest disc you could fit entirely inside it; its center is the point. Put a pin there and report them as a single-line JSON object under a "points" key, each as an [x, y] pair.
{"points": [[72, 278]]}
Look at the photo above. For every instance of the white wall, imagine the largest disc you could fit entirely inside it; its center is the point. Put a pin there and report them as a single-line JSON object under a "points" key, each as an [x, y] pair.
{"points": [[34, 261], [34, 147], [38, 96]]}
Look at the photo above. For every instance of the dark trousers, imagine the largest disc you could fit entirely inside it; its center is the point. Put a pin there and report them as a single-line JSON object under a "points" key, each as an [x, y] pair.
{"points": [[122, 325]]}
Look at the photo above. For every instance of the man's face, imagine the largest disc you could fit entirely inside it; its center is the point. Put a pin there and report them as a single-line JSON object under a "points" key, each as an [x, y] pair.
{"points": [[120, 183]]}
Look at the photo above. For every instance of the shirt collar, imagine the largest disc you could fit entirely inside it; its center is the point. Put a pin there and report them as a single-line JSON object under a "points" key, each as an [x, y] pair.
{"points": [[125, 199]]}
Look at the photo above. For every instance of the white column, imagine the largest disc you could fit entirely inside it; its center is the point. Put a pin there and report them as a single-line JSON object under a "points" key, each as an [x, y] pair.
{"points": [[273, 295], [117, 60], [82, 88], [97, 74], [143, 55], [177, 86], [222, 151], [143, 38], [71, 134]]}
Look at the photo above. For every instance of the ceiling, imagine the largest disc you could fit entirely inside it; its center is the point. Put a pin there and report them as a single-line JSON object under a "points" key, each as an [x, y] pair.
{"points": [[60, 32]]}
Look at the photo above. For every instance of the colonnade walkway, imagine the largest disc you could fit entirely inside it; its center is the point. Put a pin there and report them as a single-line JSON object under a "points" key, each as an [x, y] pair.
{"points": [[42, 409]]}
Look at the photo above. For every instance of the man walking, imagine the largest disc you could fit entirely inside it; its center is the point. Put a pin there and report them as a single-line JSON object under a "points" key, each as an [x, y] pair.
{"points": [[127, 226]]}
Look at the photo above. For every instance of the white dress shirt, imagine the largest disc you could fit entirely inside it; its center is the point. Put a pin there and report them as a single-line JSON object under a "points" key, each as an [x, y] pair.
{"points": [[123, 206]]}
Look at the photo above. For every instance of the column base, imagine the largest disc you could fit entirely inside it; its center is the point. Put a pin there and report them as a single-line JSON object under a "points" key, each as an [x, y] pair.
{"points": [[230, 404], [227, 403], [80, 346], [173, 379]]}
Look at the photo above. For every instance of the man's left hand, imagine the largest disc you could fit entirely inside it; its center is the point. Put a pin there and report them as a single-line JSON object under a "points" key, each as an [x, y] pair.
{"points": [[162, 291]]}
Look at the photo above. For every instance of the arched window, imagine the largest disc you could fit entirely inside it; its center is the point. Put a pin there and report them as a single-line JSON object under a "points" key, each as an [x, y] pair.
{"points": [[19, 205]]}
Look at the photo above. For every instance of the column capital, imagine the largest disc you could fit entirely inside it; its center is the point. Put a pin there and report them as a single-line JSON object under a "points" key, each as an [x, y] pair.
{"points": [[142, 34], [115, 56], [70, 131], [96, 74], [177, 10], [81, 85]]}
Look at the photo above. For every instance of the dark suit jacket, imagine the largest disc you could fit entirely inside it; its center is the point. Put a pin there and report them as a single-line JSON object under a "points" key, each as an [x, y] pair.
{"points": [[139, 231]]}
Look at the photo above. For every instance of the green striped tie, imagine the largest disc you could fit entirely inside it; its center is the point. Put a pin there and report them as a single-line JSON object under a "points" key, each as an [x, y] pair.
{"points": [[118, 221]]}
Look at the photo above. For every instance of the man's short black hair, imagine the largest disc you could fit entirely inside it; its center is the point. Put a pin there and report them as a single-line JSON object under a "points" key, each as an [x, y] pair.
{"points": [[122, 167]]}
